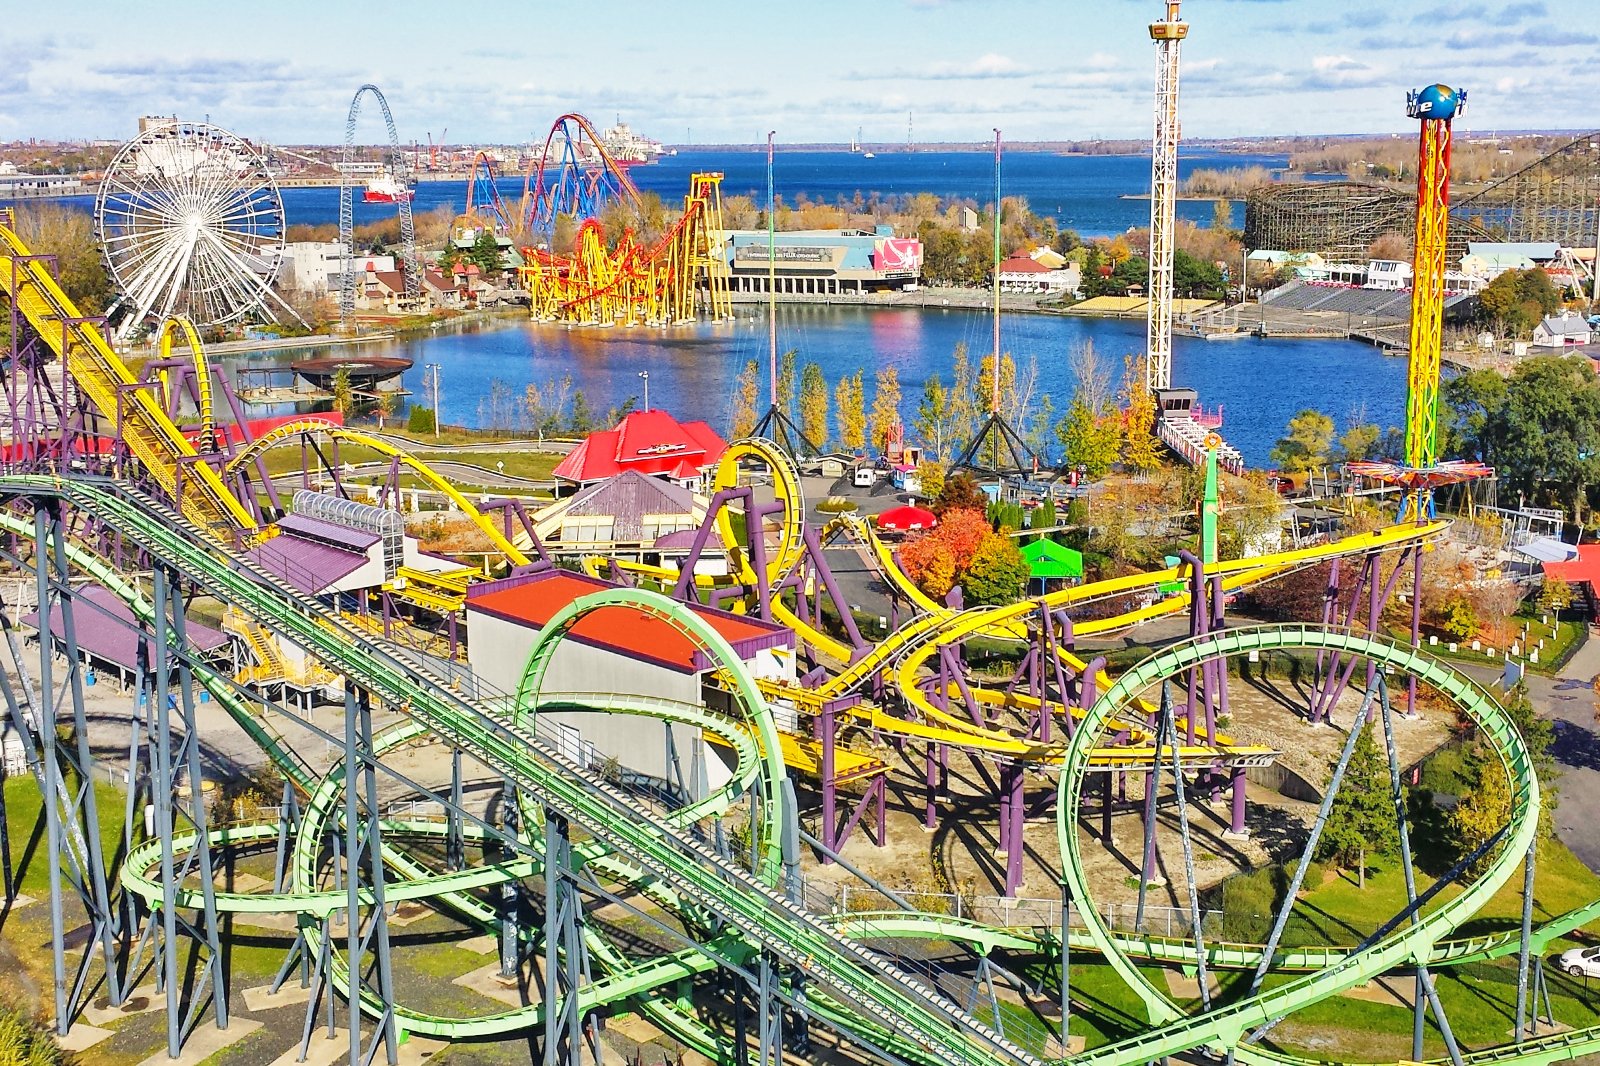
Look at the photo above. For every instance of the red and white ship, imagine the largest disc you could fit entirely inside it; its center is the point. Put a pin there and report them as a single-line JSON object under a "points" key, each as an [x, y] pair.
{"points": [[385, 189]]}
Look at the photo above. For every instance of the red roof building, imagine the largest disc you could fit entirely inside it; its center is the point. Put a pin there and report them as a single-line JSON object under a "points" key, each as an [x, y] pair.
{"points": [[651, 442]]}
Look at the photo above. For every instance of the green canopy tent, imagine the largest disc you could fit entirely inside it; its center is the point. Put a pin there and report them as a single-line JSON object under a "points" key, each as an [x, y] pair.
{"points": [[1048, 560]]}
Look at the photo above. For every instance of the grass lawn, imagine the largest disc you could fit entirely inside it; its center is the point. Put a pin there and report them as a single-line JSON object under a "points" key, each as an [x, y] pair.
{"points": [[532, 465]]}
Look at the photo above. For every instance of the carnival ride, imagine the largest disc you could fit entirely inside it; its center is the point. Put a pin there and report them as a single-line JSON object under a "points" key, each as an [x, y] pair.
{"points": [[395, 163], [682, 277], [189, 222]]}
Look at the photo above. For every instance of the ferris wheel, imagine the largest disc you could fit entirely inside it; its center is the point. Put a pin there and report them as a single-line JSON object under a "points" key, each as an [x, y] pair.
{"points": [[190, 223]]}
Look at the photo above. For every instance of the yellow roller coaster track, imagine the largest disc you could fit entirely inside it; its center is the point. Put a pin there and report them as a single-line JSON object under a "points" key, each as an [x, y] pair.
{"points": [[107, 383]]}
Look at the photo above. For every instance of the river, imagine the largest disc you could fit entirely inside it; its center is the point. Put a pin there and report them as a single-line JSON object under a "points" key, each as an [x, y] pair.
{"points": [[1259, 383]]}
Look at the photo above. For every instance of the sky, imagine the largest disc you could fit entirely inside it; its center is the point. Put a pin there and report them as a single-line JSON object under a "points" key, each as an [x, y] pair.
{"points": [[814, 71]]}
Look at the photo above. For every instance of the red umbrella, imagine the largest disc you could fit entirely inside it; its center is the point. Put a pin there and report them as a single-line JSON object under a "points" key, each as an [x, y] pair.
{"points": [[907, 519]]}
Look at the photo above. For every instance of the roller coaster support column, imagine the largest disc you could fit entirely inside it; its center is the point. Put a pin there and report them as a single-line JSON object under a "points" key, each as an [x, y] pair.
{"points": [[173, 779], [564, 956], [367, 931], [72, 818], [834, 835]]}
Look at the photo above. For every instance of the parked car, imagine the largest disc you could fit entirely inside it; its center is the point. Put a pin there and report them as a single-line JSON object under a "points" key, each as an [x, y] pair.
{"points": [[1580, 962]]}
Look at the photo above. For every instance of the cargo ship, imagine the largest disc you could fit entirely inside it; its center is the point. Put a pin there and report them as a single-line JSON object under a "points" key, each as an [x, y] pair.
{"points": [[629, 148], [385, 189]]}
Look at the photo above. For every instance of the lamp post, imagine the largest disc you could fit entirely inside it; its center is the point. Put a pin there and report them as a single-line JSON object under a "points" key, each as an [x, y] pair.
{"points": [[433, 369], [644, 376]]}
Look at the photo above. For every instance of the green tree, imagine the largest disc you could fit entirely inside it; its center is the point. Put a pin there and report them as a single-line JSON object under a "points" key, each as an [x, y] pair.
{"points": [[1467, 404], [419, 419], [1358, 442], [1362, 818], [885, 406], [1518, 299], [1089, 440], [1307, 443], [788, 372], [1195, 277], [744, 400], [933, 416], [997, 572], [814, 405], [849, 400], [582, 421], [1545, 438], [1483, 809], [485, 253]]}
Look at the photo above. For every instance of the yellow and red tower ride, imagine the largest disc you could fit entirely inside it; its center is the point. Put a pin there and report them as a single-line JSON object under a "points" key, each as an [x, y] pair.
{"points": [[1435, 106]]}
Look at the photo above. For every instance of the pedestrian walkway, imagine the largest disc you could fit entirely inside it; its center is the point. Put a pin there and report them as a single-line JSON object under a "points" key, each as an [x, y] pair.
{"points": [[1569, 702]]}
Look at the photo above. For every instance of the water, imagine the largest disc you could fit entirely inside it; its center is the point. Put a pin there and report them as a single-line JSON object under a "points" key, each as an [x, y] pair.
{"points": [[1084, 193], [1260, 384]]}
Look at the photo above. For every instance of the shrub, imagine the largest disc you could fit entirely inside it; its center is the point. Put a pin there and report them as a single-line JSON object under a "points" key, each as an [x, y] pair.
{"points": [[420, 419], [1248, 902]]}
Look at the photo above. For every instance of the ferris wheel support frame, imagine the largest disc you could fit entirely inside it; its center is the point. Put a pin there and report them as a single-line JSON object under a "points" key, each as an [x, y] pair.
{"points": [[408, 232]]}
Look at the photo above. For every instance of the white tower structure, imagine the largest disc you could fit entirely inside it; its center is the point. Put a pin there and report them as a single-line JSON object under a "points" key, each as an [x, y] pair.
{"points": [[1168, 35]]}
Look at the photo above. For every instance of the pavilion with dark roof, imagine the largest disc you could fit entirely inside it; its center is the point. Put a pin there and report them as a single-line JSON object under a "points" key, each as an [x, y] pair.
{"points": [[630, 511], [108, 635], [651, 442]]}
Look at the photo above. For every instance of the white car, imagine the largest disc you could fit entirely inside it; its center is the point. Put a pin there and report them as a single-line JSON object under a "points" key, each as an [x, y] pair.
{"points": [[1580, 962]]}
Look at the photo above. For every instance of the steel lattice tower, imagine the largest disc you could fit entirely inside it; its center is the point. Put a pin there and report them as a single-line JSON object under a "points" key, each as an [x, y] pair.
{"points": [[1168, 35], [1435, 106]]}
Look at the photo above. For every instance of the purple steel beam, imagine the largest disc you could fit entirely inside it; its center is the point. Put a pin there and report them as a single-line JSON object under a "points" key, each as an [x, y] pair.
{"points": [[814, 549], [684, 589]]}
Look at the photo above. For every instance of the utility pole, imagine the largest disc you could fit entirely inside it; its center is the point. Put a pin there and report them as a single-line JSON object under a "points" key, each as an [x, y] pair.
{"points": [[645, 376], [433, 369]]}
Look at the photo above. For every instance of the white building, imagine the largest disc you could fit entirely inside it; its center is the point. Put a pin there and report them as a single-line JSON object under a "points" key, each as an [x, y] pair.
{"points": [[1388, 274], [617, 651], [315, 266], [1562, 331]]}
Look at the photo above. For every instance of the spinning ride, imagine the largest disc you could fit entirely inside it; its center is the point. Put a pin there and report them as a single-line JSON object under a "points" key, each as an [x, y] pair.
{"points": [[190, 222]]}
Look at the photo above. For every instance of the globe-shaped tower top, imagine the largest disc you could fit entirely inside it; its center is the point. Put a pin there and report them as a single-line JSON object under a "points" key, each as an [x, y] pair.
{"points": [[1435, 102]]}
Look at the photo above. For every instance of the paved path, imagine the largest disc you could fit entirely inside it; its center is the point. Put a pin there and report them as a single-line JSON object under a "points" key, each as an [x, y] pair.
{"points": [[1568, 702]]}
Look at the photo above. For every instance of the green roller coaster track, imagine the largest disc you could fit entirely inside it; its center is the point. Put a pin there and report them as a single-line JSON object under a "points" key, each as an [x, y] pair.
{"points": [[860, 991]]}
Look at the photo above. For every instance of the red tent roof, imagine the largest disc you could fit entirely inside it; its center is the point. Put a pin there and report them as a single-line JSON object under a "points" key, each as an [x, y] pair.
{"points": [[906, 519], [651, 442]]}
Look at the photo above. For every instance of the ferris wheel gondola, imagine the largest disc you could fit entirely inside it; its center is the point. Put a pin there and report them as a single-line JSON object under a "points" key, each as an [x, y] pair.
{"points": [[190, 222]]}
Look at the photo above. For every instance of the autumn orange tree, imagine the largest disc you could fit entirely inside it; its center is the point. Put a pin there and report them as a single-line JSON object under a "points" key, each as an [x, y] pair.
{"points": [[962, 548]]}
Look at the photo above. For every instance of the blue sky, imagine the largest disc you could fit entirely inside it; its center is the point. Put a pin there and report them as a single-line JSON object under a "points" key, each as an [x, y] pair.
{"points": [[492, 71]]}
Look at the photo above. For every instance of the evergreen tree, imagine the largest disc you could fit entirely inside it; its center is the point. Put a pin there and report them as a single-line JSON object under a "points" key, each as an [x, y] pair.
{"points": [[814, 405], [885, 406], [997, 572], [746, 388], [582, 421], [343, 391], [1362, 818]]}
